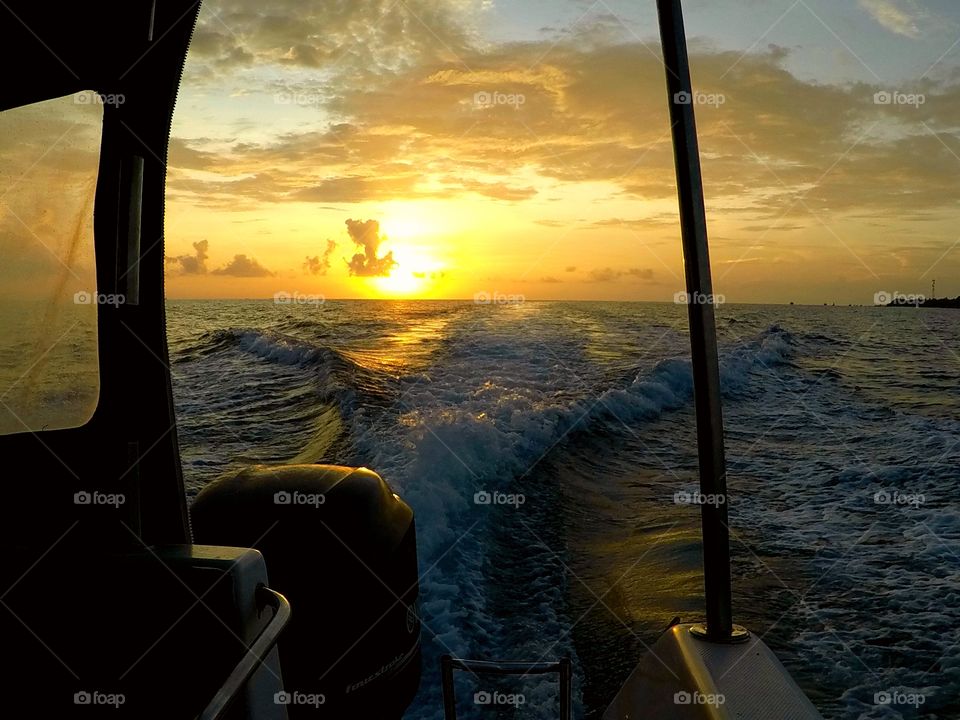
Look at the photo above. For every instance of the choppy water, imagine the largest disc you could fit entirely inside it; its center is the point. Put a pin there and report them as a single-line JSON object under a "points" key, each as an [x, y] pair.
{"points": [[585, 409]]}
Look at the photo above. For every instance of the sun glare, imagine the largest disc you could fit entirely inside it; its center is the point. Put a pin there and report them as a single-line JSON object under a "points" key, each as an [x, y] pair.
{"points": [[399, 282], [415, 274], [403, 227]]}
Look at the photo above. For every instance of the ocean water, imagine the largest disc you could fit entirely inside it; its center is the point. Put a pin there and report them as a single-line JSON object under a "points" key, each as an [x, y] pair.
{"points": [[842, 425], [48, 365]]}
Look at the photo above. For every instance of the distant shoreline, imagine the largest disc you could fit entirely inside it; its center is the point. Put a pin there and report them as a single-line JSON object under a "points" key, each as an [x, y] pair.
{"points": [[926, 302]]}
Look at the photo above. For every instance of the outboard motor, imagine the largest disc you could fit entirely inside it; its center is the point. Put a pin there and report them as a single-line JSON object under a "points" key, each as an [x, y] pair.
{"points": [[342, 546]]}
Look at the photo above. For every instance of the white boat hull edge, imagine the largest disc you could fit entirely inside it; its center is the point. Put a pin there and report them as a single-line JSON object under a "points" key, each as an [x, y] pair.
{"points": [[683, 677]]}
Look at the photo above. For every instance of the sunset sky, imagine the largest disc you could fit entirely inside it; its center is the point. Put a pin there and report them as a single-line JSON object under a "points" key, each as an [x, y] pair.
{"points": [[342, 148]]}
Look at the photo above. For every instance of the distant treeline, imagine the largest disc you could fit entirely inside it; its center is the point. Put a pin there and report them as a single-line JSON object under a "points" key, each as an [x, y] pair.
{"points": [[925, 302]]}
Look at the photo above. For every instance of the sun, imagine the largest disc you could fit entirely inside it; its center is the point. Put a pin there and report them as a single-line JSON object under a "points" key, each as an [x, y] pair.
{"points": [[412, 234], [399, 282], [417, 273]]}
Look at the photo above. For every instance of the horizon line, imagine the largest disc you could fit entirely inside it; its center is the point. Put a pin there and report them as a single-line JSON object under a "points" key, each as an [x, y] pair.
{"points": [[519, 302]]}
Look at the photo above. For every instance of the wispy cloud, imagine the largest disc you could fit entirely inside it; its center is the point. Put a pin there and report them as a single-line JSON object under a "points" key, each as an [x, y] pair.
{"points": [[609, 274], [894, 18], [319, 264]]}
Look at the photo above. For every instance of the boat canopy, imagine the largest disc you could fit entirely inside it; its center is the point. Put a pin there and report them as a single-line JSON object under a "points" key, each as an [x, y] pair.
{"points": [[88, 95]]}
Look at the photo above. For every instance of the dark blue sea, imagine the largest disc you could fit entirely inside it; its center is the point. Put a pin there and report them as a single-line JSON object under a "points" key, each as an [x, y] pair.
{"points": [[843, 447]]}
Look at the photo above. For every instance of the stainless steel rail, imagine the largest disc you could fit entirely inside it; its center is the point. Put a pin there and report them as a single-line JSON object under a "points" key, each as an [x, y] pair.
{"points": [[492, 667], [254, 657]]}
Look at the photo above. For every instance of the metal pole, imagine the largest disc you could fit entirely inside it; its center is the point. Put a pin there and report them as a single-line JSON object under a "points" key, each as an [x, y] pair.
{"points": [[566, 688], [703, 332], [449, 696]]}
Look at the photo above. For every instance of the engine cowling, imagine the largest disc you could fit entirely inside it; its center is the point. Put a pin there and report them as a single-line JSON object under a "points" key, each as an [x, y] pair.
{"points": [[342, 547]]}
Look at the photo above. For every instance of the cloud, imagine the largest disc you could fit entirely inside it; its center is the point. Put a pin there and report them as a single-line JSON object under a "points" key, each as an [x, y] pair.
{"points": [[319, 264], [243, 266], [570, 268], [186, 154], [362, 37], [195, 264], [668, 219], [892, 17], [366, 234], [550, 279], [498, 191], [779, 146], [357, 188], [609, 274]]}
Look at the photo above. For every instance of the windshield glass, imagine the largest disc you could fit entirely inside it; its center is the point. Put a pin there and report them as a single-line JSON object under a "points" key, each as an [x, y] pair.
{"points": [[49, 155]]}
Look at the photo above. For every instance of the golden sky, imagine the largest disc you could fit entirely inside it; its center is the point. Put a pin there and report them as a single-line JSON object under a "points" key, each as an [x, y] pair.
{"points": [[440, 149]]}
